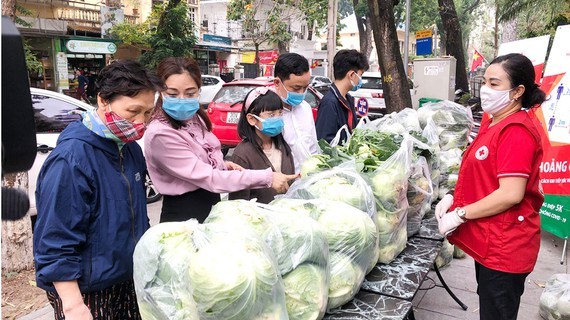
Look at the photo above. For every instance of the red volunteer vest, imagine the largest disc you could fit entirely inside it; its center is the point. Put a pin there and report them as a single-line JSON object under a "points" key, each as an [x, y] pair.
{"points": [[508, 241]]}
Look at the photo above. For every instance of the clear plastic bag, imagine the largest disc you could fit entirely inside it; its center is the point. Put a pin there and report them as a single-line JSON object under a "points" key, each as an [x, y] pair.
{"points": [[183, 270], [352, 238], [300, 247], [390, 185], [430, 133], [450, 161], [454, 122], [555, 299], [409, 119], [420, 192]]}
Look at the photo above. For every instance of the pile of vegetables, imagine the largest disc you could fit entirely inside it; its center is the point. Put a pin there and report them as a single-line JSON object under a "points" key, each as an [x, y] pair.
{"points": [[352, 240], [183, 270], [555, 299], [452, 124]]}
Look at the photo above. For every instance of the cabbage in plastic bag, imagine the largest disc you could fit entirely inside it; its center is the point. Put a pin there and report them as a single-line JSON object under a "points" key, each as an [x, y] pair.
{"points": [[234, 276], [555, 299], [183, 270], [419, 195], [305, 295], [161, 261], [296, 240], [352, 238], [390, 185], [454, 122]]}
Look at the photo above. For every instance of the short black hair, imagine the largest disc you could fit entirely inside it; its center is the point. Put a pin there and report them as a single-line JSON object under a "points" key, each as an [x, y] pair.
{"points": [[290, 63], [348, 60], [521, 72], [267, 102], [125, 78]]}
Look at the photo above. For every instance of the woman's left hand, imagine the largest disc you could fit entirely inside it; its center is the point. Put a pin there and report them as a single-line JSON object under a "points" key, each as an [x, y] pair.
{"points": [[233, 166]]}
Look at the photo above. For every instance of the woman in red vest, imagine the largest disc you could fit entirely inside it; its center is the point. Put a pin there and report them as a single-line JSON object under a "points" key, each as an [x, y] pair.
{"points": [[493, 214]]}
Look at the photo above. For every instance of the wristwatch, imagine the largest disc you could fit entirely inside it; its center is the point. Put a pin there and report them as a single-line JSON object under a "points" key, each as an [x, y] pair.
{"points": [[460, 213]]}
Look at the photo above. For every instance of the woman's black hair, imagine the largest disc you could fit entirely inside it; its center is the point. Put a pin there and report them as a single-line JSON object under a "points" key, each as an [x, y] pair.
{"points": [[521, 72], [269, 101], [125, 78]]}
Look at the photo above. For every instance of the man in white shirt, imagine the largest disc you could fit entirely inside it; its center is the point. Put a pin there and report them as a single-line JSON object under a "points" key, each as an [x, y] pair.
{"points": [[292, 79]]}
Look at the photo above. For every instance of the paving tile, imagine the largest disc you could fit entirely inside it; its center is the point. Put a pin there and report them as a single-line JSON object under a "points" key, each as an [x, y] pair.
{"points": [[422, 314], [438, 300]]}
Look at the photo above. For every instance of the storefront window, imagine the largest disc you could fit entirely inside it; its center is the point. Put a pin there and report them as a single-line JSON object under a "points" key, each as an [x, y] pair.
{"points": [[43, 50]]}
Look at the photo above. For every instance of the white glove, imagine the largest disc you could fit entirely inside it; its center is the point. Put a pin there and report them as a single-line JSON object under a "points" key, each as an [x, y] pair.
{"points": [[444, 205], [449, 222]]}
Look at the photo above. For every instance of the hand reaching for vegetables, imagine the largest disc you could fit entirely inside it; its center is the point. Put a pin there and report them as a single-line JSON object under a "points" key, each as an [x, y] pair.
{"points": [[281, 181], [442, 207]]}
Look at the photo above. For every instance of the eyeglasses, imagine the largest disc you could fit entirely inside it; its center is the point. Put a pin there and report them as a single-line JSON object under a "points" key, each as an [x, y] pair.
{"points": [[254, 94]]}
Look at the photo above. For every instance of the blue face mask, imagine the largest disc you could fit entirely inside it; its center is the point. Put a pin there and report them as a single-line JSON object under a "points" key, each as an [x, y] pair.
{"points": [[293, 98], [358, 85], [271, 126], [180, 109]]}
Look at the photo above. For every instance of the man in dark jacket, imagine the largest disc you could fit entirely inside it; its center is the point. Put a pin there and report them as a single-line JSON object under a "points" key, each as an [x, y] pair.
{"points": [[337, 106]]}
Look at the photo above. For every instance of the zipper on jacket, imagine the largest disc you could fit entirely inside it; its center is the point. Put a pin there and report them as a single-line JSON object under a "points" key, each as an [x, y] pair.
{"points": [[130, 195]]}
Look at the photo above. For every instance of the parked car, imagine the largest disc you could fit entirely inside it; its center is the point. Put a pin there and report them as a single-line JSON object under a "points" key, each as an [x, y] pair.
{"points": [[52, 113], [372, 91], [210, 86], [224, 110], [321, 83]]}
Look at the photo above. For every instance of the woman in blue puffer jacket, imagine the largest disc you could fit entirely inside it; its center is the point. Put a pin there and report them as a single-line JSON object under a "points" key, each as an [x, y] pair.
{"points": [[91, 201]]}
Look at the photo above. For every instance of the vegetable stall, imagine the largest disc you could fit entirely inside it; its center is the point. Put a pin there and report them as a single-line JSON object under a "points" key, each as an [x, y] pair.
{"points": [[331, 246]]}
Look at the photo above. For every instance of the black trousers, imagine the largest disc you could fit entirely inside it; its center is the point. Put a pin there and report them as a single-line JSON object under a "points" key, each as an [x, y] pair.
{"points": [[118, 302], [499, 293], [194, 204]]}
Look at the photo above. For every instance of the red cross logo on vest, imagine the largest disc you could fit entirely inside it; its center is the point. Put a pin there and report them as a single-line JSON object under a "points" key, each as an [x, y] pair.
{"points": [[482, 153]]}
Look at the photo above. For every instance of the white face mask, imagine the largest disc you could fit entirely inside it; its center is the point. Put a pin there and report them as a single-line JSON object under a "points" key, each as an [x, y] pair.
{"points": [[493, 101]]}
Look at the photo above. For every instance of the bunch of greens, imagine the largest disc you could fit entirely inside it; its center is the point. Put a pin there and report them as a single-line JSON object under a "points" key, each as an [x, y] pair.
{"points": [[419, 194]]}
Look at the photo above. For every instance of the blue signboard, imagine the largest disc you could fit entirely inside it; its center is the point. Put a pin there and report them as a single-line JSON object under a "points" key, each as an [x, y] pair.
{"points": [[362, 107], [424, 46], [218, 39]]}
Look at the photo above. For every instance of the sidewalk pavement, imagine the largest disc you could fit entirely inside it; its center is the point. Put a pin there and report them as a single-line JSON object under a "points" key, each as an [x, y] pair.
{"points": [[435, 303]]}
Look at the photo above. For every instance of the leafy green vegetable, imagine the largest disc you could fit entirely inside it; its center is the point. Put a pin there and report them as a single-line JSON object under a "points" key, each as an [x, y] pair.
{"points": [[235, 278], [345, 280], [161, 260], [306, 292]]}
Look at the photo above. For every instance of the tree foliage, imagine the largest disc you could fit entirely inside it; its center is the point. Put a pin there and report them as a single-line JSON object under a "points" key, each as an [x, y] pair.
{"points": [[138, 34], [173, 37]]}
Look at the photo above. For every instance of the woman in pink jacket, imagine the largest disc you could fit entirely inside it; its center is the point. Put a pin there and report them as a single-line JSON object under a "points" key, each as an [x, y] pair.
{"points": [[183, 156]]}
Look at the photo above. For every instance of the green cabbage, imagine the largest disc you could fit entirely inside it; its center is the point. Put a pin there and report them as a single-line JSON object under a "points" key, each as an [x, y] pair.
{"points": [[293, 240], [161, 260], [306, 291], [234, 278], [338, 188], [345, 280]]}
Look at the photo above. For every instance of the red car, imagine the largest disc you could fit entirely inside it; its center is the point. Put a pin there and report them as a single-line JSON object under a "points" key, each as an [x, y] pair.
{"points": [[224, 110]]}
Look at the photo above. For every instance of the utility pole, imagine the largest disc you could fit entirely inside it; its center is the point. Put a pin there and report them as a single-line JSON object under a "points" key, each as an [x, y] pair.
{"points": [[435, 47], [331, 36], [407, 37]]}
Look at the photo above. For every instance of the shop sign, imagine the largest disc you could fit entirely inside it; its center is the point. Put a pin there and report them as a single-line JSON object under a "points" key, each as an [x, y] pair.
{"points": [[62, 73], [217, 39], [91, 47]]}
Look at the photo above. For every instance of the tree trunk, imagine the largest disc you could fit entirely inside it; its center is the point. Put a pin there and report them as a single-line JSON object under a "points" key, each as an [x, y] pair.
{"points": [[453, 41], [364, 32], [17, 251], [395, 83], [256, 58], [282, 47]]}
